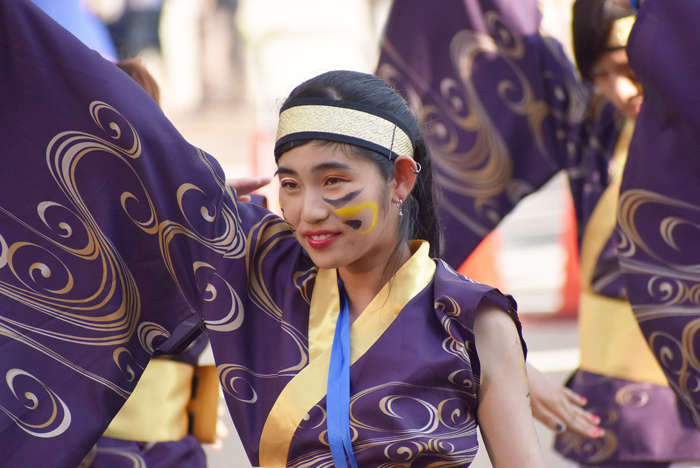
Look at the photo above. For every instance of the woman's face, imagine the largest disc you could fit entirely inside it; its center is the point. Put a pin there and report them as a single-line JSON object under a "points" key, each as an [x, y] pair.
{"points": [[339, 206], [615, 78]]}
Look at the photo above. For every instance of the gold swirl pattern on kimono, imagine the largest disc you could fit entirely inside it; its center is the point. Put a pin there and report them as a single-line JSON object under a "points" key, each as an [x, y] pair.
{"points": [[312, 421], [679, 361], [237, 385], [630, 203], [441, 426], [262, 238], [148, 332], [228, 241], [126, 365], [483, 171], [136, 459], [302, 280], [59, 418], [35, 287], [436, 424], [633, 395], [673, 286], [47, 285], [234, 315], [591, 450], [454, 346], [15, 335]]}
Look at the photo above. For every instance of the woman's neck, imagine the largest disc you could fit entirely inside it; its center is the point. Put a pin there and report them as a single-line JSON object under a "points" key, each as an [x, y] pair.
{"points": [[363, 284]]}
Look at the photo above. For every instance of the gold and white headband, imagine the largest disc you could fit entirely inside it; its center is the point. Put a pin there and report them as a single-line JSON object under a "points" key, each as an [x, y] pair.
{"points": [[344, 122], [620, 32]]}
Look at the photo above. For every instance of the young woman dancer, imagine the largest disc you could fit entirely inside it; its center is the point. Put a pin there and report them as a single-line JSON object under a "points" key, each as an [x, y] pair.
{"points": [[338, 339]]}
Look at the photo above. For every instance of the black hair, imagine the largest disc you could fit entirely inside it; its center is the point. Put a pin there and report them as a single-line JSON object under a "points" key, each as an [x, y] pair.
{"points": [[592, 23], [420, 219]]}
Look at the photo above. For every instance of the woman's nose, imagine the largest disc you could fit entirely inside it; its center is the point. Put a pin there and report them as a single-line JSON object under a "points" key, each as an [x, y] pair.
{"points": [[625, 88], [314, 209]]}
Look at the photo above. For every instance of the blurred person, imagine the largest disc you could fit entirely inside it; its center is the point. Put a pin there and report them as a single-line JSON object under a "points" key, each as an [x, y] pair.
{"points": [[659, 196], [506, 112], [222, 64], [76, 17], [137, 28], [182, 53], [337, 337], [138, 72]]}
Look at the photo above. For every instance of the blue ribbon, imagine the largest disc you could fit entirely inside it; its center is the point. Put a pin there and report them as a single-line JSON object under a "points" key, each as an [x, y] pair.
{"points": [[634, 4], [338, 394]]}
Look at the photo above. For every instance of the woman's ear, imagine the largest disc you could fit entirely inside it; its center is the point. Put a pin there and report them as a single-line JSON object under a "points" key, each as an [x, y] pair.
{"points": [[405, 172]]}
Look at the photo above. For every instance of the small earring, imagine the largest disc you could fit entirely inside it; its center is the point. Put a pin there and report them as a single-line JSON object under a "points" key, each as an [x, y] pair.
{"points": [[419, 168], [399, 205]]}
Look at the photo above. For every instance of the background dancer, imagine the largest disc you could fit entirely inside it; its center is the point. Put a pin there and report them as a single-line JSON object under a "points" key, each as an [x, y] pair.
{"points": [[506, 112]]}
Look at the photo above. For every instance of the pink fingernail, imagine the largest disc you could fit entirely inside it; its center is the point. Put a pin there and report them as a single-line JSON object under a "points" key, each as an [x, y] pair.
{"points": [[598, 431], [582, 400], [595, 419]]}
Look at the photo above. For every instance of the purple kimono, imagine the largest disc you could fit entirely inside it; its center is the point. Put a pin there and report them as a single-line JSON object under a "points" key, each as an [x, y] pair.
{"points": [[504, 111], [660, 195], [119, 240]]}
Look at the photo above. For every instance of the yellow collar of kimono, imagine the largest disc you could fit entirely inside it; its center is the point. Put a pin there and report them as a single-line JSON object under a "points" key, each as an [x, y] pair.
{"points": [[411, 278], [308, 387]]}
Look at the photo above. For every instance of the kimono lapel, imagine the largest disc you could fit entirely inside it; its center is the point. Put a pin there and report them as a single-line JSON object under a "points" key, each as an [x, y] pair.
{"points": [[309, 386]]}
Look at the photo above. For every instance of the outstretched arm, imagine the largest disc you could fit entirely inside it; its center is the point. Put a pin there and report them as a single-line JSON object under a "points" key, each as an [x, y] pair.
{"points": [[504, 397]]}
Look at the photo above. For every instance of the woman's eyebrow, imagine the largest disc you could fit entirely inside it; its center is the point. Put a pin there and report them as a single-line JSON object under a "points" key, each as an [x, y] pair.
{"points": [[331, 165], [284, 170]]}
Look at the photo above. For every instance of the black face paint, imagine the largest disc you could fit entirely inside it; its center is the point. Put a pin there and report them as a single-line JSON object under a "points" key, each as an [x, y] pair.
{"points": [[294, 231], [354, 223], [342, 201]]}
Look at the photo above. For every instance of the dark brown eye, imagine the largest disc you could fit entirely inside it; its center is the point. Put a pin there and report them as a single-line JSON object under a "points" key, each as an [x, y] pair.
{"points": [[288, 184]]}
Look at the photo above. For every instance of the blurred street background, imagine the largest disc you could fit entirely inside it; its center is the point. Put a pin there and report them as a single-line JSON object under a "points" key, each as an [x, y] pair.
{"points": [[225, 66]]}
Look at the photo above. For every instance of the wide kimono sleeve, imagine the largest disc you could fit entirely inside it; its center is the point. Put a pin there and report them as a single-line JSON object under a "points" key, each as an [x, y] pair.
{"points": [[114, 233], [502, 104], [659, 210]]}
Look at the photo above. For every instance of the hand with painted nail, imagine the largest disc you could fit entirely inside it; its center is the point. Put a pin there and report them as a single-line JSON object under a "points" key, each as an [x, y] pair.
{"points": [[559, 408], [245, 185]]}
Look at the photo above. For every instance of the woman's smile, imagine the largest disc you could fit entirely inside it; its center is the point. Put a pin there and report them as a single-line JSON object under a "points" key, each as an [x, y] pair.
{"points": [[321, 239]]}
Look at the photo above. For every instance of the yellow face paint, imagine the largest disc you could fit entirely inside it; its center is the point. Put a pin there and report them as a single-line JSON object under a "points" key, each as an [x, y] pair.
{"points": [[351, 211]]}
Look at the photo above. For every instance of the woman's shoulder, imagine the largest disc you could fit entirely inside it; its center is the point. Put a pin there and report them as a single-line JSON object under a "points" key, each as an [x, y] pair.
{"points": [[457, 299], [467, 292]]}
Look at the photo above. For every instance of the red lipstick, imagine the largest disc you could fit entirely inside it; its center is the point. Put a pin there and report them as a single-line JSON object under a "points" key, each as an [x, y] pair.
{"points": [[322, 238]]}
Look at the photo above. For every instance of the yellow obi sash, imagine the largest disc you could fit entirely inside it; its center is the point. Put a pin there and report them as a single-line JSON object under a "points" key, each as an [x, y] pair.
{"points": [[160, 406], [156, 411], [612, 344]]}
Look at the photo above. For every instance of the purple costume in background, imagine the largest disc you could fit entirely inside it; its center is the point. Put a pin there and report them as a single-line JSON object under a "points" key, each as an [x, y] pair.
{"points": [[118, 240], [659, 210], [505, 111]]}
